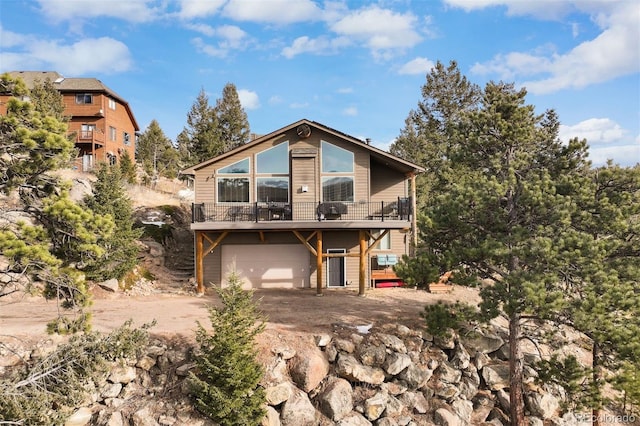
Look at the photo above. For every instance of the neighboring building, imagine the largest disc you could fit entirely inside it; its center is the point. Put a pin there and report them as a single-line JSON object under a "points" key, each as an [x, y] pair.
{"points": [[303, 206], [100, 121]]}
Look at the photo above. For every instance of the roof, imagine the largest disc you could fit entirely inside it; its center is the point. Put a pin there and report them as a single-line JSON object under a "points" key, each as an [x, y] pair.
{"points": [[380, 155], [72, 85]]}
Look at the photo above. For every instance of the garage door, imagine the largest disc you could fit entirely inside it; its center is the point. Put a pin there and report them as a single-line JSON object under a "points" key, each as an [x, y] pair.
{"points": [[267, 265]]}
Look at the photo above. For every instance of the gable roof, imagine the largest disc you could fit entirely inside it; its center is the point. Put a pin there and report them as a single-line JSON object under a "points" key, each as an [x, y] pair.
{"points": [[71, 85], [378, 154]]}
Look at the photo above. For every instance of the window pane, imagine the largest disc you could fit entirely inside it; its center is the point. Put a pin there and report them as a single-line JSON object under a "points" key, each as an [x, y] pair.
{"points": [[274, 160], [385, 242], [335, 159], [338, 188], [241, 166], [273, 190], [233, 190]]}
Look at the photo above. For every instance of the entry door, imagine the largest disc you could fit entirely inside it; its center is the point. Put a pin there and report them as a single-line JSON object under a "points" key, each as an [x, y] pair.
{"points": [[336, 276], [303, 186]]}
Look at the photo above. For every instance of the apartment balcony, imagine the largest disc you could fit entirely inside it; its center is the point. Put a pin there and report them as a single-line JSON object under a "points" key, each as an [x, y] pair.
{"points": [[380, 214], [88, 137]]}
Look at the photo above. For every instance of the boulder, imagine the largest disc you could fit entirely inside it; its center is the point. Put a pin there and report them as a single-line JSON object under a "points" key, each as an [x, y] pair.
{"points": [[395, 363], [336, 400], [271, 417], [122, 374], [372, 355], [354, 419], [308, 368], [111, 285], [392, 342], [444, 417], [375, 406], [496, 376], [482, 342], [543, 405], [81, 417], [415, 376], [298, 410], [276, 395], [349, 368]]}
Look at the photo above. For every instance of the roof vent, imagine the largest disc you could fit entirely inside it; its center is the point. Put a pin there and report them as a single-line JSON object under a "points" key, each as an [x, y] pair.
{"points": [[304, 131]]}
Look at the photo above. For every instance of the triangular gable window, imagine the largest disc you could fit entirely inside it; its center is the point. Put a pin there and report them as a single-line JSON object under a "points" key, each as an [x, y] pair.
{"points": [[239, 167]]}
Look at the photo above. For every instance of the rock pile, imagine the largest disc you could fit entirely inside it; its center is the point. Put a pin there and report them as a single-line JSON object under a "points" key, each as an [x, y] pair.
{"points": [[390, 376]]}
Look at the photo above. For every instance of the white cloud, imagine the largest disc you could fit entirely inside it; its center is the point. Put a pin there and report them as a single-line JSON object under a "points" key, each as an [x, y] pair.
{"points": [[204, 29], [318, 46], [231, 37], [199, 8], [416, 66], [345, 90], [70, 59], [11, 39], [540, 9], [75, 11], [615, 52], [272, 11], [275, 100], [208, 49], [350, 111], [594, 130], [248, 99], [624, 155], [384, 41]]}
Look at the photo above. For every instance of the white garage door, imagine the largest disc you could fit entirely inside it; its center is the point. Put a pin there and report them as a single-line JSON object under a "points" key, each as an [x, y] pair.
{"points": [[267, 265]]}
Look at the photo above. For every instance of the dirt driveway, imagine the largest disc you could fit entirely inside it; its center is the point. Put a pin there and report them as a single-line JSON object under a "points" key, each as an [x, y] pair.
{"points": [[297, 312]]}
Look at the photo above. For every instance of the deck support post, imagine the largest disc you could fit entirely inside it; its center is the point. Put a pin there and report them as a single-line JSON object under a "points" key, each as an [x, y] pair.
{"points": [[319, 263], [199, 262], [414, 216], [363, 262]]}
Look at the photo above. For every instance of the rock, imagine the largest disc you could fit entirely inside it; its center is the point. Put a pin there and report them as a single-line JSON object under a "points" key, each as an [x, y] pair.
{"points": [[496, 376], [448, 374], [344, 345], [375, 406], [420, 403], [322, 340], [444, 417], [504, 400], [534, 421], [81, 417], [336, 400], [110, 390], [372, 355], [446, 340], [392, 342], [298, 410], [308, 368], [386, 421], [271, 417], [395, 363], [184, 369], [122, 374], [394, 407], [543, 405], [463, 409], [284, 352], [482, 342], [276, 395], [349, 368], [460, 358], [144, 417], [146, 362], [354, 419], [115, 419], [416, 376], [110, 285], [332, 353]]}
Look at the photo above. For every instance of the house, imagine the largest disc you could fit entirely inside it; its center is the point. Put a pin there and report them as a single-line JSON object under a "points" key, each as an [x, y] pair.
{"points": [[303, 206], [100, 121]]}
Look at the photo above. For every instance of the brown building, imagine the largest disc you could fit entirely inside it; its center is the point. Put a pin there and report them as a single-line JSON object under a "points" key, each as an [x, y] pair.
{"points": [[303, 206], [100, 121]]}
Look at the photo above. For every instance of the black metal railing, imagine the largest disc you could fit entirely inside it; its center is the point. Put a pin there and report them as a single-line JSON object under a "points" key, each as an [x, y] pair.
{"points": [[399, 209]]}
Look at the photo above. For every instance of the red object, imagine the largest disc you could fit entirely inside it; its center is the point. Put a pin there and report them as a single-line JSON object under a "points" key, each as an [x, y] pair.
{"points": [[387, 284]]}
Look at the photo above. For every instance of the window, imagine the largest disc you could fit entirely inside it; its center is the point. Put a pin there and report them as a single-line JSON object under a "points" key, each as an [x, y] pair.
{"points": [[233, 190], [87, 131], [125, 138], [241, 166], [274, 160], [385, 242], [84, 98], [112, 133], [273, 189], [336, 159], [112, 104], [337, 188]]}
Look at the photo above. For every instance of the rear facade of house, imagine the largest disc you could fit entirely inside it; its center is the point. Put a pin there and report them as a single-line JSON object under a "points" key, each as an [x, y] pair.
{"points": [[304, 206]]}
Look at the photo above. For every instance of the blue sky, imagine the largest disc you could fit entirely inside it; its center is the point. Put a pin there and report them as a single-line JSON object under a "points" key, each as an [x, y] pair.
{"points": [[355, 66]]}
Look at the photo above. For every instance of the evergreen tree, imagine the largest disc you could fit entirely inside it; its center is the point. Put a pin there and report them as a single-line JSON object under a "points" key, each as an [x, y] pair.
{"points": [[232, 119], [63, 237], [120, 252], [127, 168], [156, 153], [202, 131], [47, 100], [225, 386], [428, 131], [499, 211]]}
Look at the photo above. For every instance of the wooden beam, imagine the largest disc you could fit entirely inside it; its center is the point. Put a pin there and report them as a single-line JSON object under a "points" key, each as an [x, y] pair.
{"points": [[376, 241], [319, 264], [261, 234], [363, 262], [305, 241], [414, 216], [215, 243], [199, 262]]}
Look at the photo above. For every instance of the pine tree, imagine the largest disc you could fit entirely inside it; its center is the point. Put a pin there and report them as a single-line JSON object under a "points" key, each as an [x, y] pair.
{"points": [[127, 168], [498, 212], [232, 119], [47, 100], [156, 153], [202, 131], [225, 386], [120, 253]]}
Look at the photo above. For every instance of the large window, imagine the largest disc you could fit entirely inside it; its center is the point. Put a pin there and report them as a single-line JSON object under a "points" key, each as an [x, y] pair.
{"points": [[84, 98], [112, 133], [112, 104], [337, 168], [336, 159], [126, 138], [337, 188], [385, 242], [273, 189], [273, 162], [234, 189]]}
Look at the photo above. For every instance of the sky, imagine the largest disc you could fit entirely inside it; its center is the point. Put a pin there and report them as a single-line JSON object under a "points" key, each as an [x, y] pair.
{"points": [[355, 66]]}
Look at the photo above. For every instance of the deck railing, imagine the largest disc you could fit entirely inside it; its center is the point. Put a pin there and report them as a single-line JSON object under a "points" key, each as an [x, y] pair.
{"points": [[399, 209]]}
